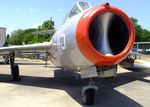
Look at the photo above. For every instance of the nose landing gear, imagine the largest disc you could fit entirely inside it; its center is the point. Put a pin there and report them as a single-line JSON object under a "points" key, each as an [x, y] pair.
{"points": [[88, 93]]}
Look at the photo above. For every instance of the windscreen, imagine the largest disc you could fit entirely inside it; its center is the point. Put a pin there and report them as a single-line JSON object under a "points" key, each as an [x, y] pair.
{"points": [[84, 5]]}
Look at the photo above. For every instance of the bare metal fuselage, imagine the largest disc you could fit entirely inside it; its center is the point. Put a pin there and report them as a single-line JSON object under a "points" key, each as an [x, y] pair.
{"points": [[64, 50]]}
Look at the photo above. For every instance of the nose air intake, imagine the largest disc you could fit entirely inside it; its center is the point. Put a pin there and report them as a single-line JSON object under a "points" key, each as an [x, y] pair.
{"points": [[109, 33], [105, 35]]}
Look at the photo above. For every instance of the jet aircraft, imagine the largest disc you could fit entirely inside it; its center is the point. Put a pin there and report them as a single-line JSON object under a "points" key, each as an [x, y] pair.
{"points": [[92, 41]]}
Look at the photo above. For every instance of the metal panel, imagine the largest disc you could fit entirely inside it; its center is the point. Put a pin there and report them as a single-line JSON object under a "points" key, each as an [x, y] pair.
{"points": [[2, 36]]}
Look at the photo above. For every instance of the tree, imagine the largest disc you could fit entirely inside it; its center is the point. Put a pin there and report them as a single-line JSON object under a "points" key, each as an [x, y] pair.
{"points": [[28, 36], [48, 24], [138, 30], [16, 37], [142, 35], [145, 35], [19, 37]]}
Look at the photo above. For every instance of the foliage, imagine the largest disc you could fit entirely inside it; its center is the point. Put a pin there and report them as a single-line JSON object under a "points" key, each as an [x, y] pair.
{"points": [[20, 37], [142, 35], [46, 25]]}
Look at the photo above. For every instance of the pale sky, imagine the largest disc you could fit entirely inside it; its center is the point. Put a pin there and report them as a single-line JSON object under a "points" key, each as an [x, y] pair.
{"points": [[23, 14]]}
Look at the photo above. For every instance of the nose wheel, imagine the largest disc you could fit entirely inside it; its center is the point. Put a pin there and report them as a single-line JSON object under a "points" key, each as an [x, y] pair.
{"points": [[88, 94]]}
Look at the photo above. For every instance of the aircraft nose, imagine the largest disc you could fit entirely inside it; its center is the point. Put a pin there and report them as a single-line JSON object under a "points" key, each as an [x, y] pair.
{"points": [[105, 35]]}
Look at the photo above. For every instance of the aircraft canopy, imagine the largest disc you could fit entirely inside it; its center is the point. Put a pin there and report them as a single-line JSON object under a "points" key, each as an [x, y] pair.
{"points": [[79, 7]]}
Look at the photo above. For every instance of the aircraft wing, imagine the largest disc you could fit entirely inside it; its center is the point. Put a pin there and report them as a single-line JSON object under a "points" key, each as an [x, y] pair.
{"points": [[135, 63], [50, 32], [38, 46]]}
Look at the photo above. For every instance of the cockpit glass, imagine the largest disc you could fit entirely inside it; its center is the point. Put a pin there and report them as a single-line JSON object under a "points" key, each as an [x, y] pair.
{"points": [[74, 11], [84, 5]]}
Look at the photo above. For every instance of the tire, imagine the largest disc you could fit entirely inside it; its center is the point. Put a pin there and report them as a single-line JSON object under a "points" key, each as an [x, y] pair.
{"points": [[89, 97], [15, 73], [7, 62]]}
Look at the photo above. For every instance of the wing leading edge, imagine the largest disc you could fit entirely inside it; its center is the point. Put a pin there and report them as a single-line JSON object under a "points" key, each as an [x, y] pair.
{"points": [[38, 46], [49, 32], [135, 63]]}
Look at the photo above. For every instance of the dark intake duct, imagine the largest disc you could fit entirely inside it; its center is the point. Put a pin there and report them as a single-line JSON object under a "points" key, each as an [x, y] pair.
{"points": [[109, 33]]}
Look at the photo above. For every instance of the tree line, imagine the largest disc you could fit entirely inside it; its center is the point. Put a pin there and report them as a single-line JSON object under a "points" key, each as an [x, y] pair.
{"points": [[142, 35], [20, 37], [26, 36]]}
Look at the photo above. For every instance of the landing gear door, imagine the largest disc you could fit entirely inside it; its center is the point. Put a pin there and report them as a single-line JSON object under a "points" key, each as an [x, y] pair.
{"points": [[63, 41]]}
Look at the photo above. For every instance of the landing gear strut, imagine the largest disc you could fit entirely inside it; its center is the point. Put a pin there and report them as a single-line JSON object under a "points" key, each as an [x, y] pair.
{"points": [[88, 93], [14, 68]]}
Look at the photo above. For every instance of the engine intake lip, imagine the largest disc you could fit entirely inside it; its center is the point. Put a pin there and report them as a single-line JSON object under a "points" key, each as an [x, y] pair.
{"points": [[85, 45]]}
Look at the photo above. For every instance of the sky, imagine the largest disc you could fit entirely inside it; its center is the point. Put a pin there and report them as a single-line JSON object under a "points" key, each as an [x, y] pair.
{"points": [[24, 14]]}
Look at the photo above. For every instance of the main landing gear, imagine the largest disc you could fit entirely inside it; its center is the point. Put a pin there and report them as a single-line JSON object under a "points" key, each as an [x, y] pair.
{"points": [[88, 93], [14, 68]]}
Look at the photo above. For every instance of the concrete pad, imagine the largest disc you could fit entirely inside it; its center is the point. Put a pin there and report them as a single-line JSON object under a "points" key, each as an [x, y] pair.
{"points": [[42, 87], [137, 90]]}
